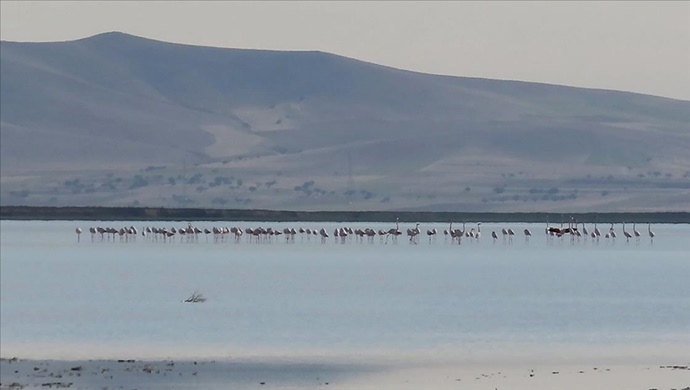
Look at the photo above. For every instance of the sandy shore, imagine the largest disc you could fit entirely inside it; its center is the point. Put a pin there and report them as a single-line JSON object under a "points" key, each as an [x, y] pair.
{"points": [[420, 371]]}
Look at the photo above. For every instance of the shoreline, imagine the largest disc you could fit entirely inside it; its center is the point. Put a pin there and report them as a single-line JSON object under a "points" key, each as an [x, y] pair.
{"points": [[219, 374], [575, 367]]}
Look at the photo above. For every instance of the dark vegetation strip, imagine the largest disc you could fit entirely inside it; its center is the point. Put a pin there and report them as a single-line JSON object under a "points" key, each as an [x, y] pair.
{"points": [[196, 214]]}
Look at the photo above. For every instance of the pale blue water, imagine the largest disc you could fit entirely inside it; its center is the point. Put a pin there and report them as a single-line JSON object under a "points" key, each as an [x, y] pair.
{"points": [[353, 296]]}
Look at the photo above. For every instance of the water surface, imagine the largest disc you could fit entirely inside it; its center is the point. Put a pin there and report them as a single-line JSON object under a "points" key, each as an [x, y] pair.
{"points": [[58, 295]]}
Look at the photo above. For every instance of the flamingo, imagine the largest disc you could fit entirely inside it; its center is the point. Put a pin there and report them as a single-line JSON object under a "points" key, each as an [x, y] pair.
{"points": [[101, 231], [78, 231], [431, 233], [453, 234], [301, 232], [650, 232], [478, 233], [636, 233], [394, 232], [413, 233], [494, 235], [257, 232], [527, 234], [382, 233], [324, 235], [511, 233], [343, 234], [459, 232], [626, 234], [370, 233]]}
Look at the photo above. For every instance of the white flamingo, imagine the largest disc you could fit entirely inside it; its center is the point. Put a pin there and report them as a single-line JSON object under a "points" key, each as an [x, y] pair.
{"points": [[453, 233], [343, 233], [78, 231], [626, 234], [461, 233], [370, 233], [650, 232], [413, 233], [395, 232], [324, 235], [431, 233], [635, 232]]}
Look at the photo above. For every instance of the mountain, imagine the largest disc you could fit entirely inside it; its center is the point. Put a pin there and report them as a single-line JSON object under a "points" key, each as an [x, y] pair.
{"points": [[116, 119]]}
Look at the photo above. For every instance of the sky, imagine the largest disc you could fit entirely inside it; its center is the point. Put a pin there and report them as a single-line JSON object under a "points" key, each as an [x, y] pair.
{"points": [[632, 46]]}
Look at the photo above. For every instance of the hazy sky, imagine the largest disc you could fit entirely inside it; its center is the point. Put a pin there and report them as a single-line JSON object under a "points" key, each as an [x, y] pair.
{"points": [[631, 46]]}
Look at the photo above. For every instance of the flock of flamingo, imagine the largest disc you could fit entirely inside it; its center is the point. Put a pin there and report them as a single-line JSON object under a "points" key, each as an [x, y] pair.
{"points": [[342, 234]]}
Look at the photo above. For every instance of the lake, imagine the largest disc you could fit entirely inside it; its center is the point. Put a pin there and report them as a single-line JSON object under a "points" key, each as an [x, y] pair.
{"points": [[104, 296]]}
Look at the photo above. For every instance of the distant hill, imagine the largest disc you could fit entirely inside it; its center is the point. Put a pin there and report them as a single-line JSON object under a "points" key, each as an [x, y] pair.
{"points": [[119, 120]]}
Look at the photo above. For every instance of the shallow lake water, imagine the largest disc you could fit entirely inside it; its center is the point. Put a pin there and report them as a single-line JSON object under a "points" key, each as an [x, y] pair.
{"points": [[103, 293]]}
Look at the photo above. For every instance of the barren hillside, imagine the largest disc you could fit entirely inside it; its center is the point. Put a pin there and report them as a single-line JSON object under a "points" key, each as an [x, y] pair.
{"points": [[117, 120]]}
